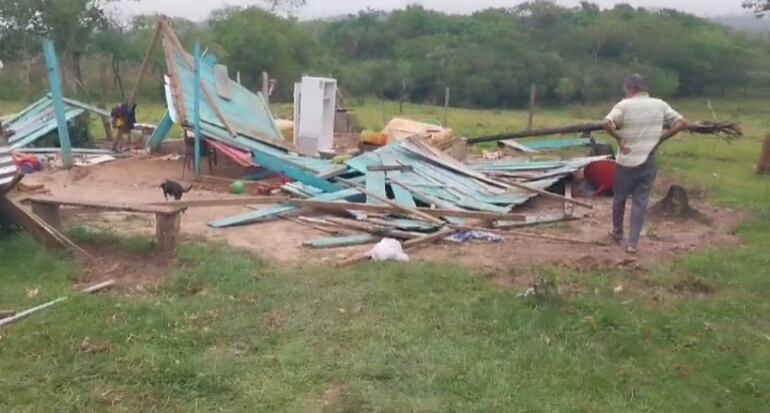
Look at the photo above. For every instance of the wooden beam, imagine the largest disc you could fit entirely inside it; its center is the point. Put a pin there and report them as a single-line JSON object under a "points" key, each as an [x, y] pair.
{"points": [[216, 202], [387, 209], [54, 80], [110, 206], [529, 235], [44, 233], [386, 168], [146, 61], [173, 73]]}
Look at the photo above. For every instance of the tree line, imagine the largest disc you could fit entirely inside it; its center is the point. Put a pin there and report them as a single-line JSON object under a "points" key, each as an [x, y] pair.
{"points": [[488, 59]]}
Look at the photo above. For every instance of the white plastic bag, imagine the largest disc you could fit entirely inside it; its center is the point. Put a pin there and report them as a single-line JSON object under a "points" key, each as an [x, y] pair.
{"points": [[388, 249]]}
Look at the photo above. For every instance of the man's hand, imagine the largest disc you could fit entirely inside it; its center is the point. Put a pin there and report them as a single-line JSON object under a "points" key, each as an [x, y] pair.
{"points": [[624, 149], [612, 130]]}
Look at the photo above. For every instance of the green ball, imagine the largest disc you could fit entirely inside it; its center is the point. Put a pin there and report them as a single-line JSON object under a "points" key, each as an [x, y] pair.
{"points": [[238, 187]]}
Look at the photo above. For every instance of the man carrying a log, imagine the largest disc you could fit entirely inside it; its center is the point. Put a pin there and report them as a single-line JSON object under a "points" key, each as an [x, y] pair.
{"points": [[640, 124]]}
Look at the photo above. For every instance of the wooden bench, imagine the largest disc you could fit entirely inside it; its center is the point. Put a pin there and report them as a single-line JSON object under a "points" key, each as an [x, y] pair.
{"points": [[167, 218]]}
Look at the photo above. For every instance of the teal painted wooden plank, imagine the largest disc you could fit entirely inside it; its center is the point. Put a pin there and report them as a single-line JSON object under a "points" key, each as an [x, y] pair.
{"points": [[160, 133], [337, 242], [402, 195], [54, 80], [405, 224], [86, 106], [277, 164], [545, 145], [47, 127], [30, 110], [197, 109], [375, 184], [271, 213]]}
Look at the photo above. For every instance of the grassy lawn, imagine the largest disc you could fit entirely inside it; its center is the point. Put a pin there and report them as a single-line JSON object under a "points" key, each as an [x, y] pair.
{"points": [[232, 332]]}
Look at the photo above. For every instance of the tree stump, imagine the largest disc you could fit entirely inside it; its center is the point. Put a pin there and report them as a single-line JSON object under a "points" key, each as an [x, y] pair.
{"points": [[676, 204], [763, 167]]}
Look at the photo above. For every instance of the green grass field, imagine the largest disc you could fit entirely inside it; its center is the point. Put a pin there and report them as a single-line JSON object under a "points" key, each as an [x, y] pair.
{"points": [[233, 332]]}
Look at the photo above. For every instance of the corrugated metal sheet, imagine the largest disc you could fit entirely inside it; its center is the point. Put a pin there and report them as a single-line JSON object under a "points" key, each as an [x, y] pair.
{"points": [[39, 119]]}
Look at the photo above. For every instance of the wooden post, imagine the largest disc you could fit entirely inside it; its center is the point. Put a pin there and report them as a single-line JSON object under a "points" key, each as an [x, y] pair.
{"points": [[103, 103], [532, 101], [167, 229], [145, 62], [266, 87], [197, 110], [50, 213], [446, 108], [54, 79], [763, 167], [238, 77]]}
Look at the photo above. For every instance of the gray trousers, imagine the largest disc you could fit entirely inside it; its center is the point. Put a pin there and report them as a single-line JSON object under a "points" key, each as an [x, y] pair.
{"points": [[637, 183]]}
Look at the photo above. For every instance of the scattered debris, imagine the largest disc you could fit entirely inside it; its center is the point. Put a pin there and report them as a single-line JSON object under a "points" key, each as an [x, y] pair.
{"points": [[388, 249], [466, 236], [26, 313]]}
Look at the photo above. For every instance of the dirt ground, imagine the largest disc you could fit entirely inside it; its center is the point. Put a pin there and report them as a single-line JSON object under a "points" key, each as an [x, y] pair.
{"points": [[136, 180]]}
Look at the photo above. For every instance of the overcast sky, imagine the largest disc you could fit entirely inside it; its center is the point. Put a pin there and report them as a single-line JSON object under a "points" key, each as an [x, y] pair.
{"points": [[199, 9]]}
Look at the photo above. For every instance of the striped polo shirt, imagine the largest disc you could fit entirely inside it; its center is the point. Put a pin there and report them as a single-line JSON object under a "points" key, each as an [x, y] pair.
{"points": [[7, 165], [640, 121]]}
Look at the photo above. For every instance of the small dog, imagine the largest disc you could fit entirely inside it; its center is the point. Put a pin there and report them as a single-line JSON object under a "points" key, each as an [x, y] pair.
{"points": [[174, 189]]}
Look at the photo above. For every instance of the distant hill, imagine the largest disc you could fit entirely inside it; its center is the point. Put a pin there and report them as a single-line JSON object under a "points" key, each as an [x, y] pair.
{"points": [[744, 22]]}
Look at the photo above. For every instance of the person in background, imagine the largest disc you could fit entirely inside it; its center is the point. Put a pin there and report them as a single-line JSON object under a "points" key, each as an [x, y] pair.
{"points": [[640, 124], [123, 120]]}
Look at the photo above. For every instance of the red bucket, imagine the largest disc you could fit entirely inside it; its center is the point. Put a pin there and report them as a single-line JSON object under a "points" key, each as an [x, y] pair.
{"points": [[601, 175]]}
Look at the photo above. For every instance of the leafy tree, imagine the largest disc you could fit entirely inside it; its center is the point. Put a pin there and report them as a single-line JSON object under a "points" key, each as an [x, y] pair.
{"points": [[259, 41], [71, 24], [759, 7]]}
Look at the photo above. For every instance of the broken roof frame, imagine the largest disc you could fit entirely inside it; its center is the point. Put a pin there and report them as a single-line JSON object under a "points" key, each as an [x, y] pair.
{"points": [[233, 116]]}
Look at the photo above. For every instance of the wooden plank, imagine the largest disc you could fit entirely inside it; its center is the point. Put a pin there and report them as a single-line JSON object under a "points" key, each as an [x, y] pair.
{"points": [[375, 184], [110, 206], [388, 168], [381, 230], [215, 202], [539, 221], [417, 213], [337, 242], [223, 84], [276, 164], [85, 106], [387, 209], [160, 133], [173, 72], [284, 209], [54, 80], [434, 155], [44, 233], [28, 312], [413, 243], [402, 195], [531, 235]]}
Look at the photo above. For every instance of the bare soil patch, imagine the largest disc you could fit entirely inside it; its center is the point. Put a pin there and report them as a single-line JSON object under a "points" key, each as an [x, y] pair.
{"points": [[136, 180], [134, 273]]}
